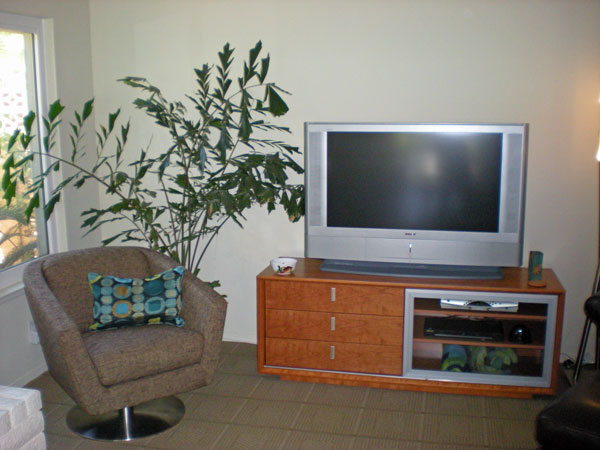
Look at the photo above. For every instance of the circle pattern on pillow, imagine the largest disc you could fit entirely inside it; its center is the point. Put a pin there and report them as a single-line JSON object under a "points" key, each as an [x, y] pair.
{"points": [[121, 302]]}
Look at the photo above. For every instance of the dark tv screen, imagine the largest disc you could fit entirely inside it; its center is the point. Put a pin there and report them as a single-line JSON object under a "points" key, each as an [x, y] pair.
{"points": [[414, 181]]}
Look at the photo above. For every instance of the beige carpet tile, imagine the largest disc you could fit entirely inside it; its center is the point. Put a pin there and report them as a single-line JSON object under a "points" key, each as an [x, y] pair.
{"points": [[268, 413], [511, 408], [395, 400], [243, 410], [462, 405], [448, 429], [302, 440], [329, 394], [212, 408], [55, 423], [366, 443], [327, 419], [239, 437], [438, 446], [185, 396], [513, 434], [230, 385], [272, 388], [50, 410], [50, 390], [189, 434], [228, 347], [245, 349], [88, 444], [399, 425], [58, 442], [238, 364]]}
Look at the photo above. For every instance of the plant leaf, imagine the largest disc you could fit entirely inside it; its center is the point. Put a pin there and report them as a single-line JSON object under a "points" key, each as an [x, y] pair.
{"points": [[264, 69], [88, 107], [14, 138], [277, 106], [49, 208], [28, 121], [54, 111]]}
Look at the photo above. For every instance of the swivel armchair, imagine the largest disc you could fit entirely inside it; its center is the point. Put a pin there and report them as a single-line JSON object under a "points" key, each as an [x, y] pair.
{"points": [[122, 380]]}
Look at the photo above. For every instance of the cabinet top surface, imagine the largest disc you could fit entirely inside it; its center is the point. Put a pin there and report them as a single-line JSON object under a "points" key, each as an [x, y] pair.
{"points": [[515, 279]]}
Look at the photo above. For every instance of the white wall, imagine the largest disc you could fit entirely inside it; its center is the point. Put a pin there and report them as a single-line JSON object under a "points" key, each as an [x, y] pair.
{"points": [[20, 361], [390, 60]]}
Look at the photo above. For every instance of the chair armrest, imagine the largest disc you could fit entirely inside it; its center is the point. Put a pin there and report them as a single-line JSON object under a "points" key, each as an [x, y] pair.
{"points": [[203, 310], [64, 350]]}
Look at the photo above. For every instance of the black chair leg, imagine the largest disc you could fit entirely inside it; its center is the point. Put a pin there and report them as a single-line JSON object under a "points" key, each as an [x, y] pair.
{"points": [[582, 345]]}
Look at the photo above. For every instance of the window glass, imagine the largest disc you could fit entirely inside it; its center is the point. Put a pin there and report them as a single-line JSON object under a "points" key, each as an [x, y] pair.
{"points": [[20, 241]]}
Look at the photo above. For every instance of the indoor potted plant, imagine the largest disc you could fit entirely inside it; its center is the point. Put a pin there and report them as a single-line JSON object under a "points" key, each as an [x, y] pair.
{"points": [[222, 159]]}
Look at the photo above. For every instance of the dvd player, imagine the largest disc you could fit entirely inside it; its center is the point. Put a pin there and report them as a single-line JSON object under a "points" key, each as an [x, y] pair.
{"points": [[453, 327], [479, 305]]}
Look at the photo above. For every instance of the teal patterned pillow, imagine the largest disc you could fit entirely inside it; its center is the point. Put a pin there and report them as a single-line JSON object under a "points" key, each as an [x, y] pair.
{"points": [[121, 302]]}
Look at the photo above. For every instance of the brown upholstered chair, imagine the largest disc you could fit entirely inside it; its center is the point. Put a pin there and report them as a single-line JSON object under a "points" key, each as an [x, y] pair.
{"points": [[108, 373]]}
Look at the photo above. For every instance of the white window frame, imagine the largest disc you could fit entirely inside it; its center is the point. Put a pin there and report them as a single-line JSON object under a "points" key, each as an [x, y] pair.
{"points": [[42, 30]]}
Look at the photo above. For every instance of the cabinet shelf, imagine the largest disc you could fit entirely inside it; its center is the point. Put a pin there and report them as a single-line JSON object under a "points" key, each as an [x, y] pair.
{"points": [[527, 366], [537, 336], [527, 311]]}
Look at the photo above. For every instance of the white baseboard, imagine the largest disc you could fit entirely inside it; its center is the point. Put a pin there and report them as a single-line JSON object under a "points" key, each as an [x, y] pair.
{"points": [[248, 339], [29, 376]]}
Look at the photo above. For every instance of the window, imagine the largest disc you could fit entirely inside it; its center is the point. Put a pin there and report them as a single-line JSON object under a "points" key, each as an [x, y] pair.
{"points": [[23, 87], [18, 239]]}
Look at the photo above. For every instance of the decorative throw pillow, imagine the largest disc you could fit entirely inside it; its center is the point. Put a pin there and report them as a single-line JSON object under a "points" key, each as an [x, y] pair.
{"points": [[121, 302]]}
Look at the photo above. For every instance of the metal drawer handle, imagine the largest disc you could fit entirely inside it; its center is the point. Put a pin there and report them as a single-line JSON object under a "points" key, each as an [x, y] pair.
{"points": [[333, 324], [332, 352], [333, 294]]}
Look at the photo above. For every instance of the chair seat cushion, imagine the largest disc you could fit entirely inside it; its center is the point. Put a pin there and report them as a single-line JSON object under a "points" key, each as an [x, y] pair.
{"points": [[126, 354]]}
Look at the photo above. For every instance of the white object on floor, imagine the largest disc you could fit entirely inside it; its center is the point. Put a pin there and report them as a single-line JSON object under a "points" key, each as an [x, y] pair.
{"points": [[21, 419]]}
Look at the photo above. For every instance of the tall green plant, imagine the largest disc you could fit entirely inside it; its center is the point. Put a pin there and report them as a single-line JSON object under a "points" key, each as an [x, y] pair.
{"points": [[17, 237], [221, 160]]}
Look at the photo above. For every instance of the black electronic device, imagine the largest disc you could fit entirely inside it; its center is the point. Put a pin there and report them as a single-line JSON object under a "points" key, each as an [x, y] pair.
{"points": [[478, 329], [520, 334]]}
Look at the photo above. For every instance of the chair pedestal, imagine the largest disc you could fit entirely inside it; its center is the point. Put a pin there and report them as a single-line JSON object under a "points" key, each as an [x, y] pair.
{"points": [[129, 423]]}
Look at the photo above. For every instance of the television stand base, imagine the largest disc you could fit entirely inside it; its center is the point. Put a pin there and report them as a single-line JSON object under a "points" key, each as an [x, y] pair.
{"points": [[413, 270]]}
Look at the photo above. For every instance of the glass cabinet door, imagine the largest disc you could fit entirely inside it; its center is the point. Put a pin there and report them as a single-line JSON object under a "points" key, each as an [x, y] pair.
{"points": [[479, 337]]}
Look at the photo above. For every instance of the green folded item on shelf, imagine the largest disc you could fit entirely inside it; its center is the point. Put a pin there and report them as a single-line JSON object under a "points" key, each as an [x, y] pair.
{"points": [[497, 360], [454, 358]]}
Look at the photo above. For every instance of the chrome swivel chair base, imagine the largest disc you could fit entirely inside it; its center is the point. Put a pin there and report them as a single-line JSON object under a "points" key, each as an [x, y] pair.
{"points": [[129, 423]]}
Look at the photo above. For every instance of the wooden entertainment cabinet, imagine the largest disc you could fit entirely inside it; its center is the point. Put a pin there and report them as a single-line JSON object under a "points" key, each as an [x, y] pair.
{"points": [[369, 330]]}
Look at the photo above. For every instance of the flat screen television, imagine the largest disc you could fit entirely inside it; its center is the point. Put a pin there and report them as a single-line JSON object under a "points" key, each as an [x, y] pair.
{"points": [[431, 200]]}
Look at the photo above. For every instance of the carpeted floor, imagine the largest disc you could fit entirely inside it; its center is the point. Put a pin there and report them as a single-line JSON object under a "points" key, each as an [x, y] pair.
{"points": [[245, 410]]}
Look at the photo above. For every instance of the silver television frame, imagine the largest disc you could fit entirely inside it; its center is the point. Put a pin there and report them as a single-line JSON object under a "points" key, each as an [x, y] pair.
{"points": [[370, 247]]}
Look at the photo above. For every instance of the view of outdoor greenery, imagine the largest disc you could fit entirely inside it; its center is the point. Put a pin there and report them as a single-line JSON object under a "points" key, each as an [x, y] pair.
{"points": [[18, 241]]}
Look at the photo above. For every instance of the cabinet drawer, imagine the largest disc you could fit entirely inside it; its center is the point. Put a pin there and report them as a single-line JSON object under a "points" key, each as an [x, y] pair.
{"points": [[338, 327], [320, 355], [329, 297]]}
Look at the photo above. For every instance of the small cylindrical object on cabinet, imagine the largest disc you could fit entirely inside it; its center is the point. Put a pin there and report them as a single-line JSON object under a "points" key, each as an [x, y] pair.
{"points": [[534, 275]]}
